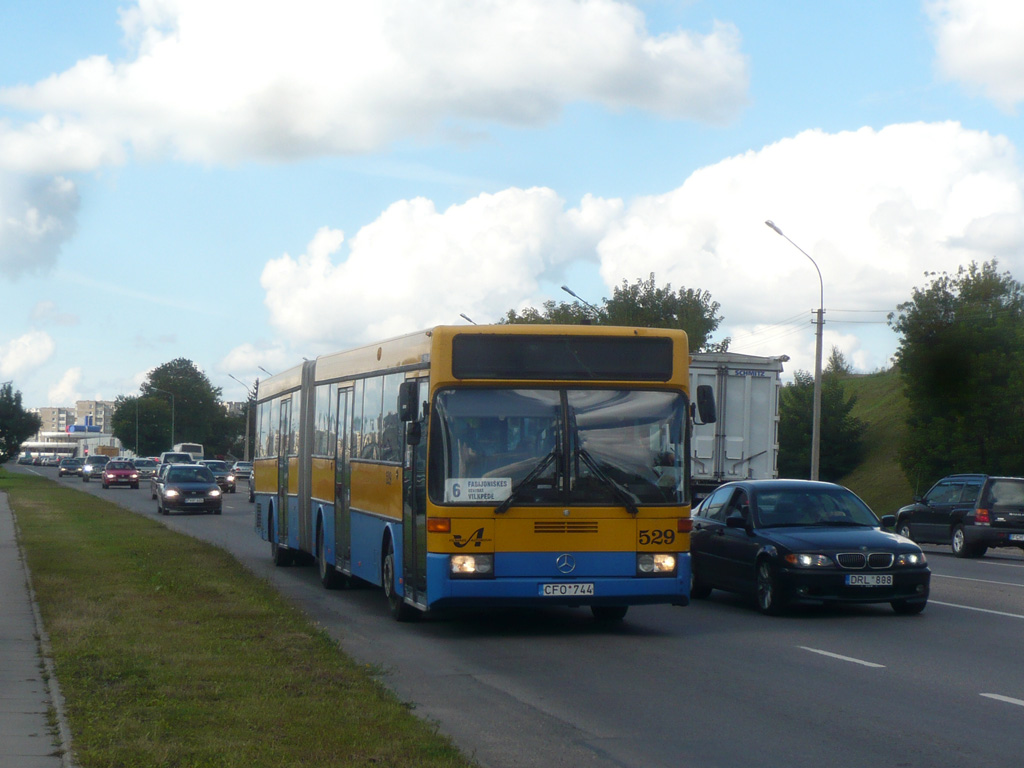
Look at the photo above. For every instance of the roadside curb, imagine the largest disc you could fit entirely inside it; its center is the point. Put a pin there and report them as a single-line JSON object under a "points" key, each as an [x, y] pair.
{"points": [[44, 649]]}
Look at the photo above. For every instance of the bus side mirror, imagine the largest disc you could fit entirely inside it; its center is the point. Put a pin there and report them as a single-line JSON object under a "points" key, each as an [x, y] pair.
{"points": [[408, 398], [706, 404], [413, 433]]}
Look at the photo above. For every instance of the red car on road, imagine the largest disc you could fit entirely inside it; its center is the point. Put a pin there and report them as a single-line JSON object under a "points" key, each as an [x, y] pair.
{"points": [[120, 473]]}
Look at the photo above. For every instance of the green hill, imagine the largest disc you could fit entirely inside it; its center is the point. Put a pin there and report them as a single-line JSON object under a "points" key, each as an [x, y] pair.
{"points": [[882, 407]]}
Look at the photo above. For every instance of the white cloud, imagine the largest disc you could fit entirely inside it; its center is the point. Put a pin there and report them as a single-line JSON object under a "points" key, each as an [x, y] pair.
{"points": [[979, 42], [47, 311], [223, 80], [23, 355], [416, 266], [874, 209], [37, 216], [66, 390]]}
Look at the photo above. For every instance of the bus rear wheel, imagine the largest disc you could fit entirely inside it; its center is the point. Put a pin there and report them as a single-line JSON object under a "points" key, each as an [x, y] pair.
{"points": [[280, 555], [400, 609], [329, 577]]}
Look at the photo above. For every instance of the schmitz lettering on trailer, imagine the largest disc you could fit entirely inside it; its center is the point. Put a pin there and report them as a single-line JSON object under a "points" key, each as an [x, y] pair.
{"points": [[750, 373]]}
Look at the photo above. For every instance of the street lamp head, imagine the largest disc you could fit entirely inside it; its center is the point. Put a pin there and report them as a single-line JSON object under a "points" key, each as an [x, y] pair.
{"points": [[771, 224], [569, 290]]}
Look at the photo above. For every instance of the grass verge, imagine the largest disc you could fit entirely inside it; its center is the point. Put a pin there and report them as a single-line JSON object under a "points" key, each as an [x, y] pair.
{"points": [[168, 653], [882, 406]]}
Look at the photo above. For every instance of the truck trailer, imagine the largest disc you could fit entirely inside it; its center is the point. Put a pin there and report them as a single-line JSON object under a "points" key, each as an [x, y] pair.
{"points": [[743, 443]]}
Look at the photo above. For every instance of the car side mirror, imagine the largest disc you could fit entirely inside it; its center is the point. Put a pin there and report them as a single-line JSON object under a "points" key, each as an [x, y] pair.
{"points": [[736, 521], [888, 521]]}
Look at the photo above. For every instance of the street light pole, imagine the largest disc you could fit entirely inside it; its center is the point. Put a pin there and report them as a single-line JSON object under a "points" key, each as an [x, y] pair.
{"points": [[157, 389], [819, 322], [250, 396], [595, 310]]}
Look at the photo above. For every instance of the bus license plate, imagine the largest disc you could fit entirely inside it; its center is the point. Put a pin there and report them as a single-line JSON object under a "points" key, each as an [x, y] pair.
{"points": [[869, 579], [566, 589]]}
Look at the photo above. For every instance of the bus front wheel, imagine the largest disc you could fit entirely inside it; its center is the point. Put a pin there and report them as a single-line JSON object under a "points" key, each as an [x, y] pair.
{"points": [[400, 609], [609, 613]]}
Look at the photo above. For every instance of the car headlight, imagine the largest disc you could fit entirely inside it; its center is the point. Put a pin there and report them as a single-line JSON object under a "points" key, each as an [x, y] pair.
{"points": [[655, 563], [214, 493], [231, 478], [911, 559], [809, 560], [469, 566], [171, 493]]}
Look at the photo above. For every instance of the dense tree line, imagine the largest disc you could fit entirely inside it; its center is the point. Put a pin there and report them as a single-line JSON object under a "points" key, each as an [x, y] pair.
{"points": [[961, 360], [842, 434], [641, 304], [177, 396], [16, 424]]}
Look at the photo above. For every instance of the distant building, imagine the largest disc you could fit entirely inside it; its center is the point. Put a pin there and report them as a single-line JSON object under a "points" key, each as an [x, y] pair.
{"points": [[73, 431]]}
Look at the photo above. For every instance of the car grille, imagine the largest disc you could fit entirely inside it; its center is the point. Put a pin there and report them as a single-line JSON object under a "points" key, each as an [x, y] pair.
{"points": [[861, 560]]}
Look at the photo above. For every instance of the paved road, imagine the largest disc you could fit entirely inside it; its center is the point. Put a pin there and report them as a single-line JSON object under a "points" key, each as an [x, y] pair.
{"points": [[713, 684]]}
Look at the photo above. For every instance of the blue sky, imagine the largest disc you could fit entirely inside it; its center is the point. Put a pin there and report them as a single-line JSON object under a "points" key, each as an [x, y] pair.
{"points": [[245, 184]]}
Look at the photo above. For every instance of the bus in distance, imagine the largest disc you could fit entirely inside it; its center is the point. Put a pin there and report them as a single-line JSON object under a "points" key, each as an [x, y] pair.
{"points": [[195, 450], [505, 465]]}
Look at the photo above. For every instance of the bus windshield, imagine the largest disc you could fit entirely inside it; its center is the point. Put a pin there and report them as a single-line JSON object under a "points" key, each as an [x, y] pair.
{"points": [[594, 447]]}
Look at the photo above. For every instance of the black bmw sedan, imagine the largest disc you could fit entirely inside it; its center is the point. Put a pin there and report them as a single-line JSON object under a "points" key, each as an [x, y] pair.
{"points": [[798, 541]]}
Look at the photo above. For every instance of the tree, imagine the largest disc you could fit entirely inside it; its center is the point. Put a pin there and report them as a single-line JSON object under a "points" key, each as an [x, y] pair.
{"points": [[961, 361], [16, 424], [641, 304], [842, 435], [176, 391]]}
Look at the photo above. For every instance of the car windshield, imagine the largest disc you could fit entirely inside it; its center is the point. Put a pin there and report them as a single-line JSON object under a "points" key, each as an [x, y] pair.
{"points": [[551, 446], [812, 506], [217, 466], [189, 475], [118, 465], [144, 463]]}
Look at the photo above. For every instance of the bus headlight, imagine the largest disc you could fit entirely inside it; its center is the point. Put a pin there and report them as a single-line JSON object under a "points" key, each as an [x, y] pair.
{"points": [[472, 566], [655, 563]]}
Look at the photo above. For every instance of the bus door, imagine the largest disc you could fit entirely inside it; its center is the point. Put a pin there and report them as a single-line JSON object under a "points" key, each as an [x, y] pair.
{"points": [[342, 484], [414, 488], [285, 426]]}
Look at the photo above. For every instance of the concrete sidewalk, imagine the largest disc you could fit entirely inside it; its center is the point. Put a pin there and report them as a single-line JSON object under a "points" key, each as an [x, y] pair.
{"points": [[26, 738]]}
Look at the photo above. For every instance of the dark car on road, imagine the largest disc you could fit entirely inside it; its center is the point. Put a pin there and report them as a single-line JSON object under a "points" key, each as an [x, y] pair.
{"points": [[969, 512], [798, 541], [120, 473], [146, 468], [70, 466], [189, 488], [222, 474], [93, 466]]}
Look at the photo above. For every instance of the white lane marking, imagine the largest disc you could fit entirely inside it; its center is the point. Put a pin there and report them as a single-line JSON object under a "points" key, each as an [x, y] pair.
{"points": [[979, 581], [842, 658], [979, 610], [1006, 699]]}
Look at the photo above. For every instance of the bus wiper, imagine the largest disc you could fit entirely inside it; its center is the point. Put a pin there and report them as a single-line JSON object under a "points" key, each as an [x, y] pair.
{"points": [[522, 484], [628, 499]]}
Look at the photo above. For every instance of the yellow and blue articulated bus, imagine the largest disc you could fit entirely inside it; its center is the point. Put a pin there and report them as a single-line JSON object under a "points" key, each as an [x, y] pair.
{"points": [[482, 466]]}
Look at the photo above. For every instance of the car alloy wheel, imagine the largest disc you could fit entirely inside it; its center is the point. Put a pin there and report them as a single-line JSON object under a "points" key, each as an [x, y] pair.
{"points": [[769, 597]]}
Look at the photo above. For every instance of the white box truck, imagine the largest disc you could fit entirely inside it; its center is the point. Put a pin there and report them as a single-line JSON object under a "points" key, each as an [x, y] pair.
{"points": [[743, 443]]}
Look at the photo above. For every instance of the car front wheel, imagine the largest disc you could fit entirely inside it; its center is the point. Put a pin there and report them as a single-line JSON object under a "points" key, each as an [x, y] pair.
{"points": [[770, 600]]}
